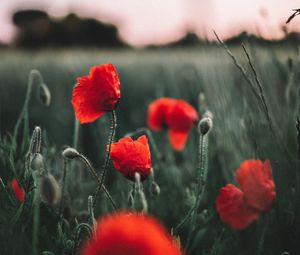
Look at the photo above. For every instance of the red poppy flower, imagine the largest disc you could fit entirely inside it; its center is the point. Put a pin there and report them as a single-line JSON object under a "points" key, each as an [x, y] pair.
{"points": [[130, 157], [96, 93], [240, 207], [130, 234], [232, 208], [175, 114], [256, 181], [157, 112], [19, 192]]}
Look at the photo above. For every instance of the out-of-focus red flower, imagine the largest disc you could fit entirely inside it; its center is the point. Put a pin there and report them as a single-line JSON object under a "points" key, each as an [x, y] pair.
{"points": [[157, 113], [175, 114], [256, 181], [232, 208], [130, 157], [240, 207], [130, 234], [96, 93], [19, 192]]}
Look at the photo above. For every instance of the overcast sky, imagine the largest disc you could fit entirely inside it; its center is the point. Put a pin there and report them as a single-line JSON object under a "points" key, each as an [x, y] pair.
{"points": [[143, 22]]}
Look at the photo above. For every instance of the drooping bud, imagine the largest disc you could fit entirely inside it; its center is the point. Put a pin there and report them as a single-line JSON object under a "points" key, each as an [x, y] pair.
{"points": [[44, 94], [50, 190], [205, 125], [70, 153]]}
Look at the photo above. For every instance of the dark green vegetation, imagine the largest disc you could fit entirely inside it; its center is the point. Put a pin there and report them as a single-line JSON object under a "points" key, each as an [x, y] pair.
{"points": [[241, 131]]}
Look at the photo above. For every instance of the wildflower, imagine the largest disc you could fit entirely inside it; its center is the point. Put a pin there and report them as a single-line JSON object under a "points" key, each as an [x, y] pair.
{"points": [[175, 114], [157, 112], [240, 207], [130, 157], [97, 93], [130, 233], [19, 191]]}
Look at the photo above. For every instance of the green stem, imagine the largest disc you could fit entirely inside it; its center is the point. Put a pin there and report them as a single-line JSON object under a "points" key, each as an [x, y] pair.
{"points": [[76, 133], [113, 127], [36, 214], [65, 169], [263, 235], [93, 172], [32, 75]]}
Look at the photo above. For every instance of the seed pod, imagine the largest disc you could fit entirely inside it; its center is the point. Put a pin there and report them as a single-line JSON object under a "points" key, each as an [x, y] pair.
{"points": [[44, 94], [37, 163], [205, 125], [50, 190], [70, 153], [155, 189]]}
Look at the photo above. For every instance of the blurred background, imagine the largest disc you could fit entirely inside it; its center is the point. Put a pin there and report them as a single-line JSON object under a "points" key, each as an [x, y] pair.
{"points": [[165, 48]]}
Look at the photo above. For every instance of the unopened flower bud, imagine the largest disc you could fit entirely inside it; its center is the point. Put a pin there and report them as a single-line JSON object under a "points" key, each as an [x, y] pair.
{"points": [[50, 190], [155, 189], [37, 163], [70, 153], [140, 202], [44, 94], [205, 125]]}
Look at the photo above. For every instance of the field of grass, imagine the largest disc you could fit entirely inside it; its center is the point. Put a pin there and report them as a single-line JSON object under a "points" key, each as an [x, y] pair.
{"points": [[242, 129]]}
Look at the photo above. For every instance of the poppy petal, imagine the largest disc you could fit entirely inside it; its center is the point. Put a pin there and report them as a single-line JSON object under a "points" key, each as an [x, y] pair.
{"points": [[232, 208], [256, 181], [178, 139]]}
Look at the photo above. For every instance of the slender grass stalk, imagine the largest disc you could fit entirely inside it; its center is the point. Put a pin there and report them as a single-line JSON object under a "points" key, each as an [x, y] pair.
{"points": [[113, 127]]}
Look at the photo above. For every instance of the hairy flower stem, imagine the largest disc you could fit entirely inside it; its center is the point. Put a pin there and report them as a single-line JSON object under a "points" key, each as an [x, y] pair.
{"points": [[113, 127], [65, 170], [91, 220], [76, 133], [36, 213], [202, 176], [139, 199], [93, 172]]}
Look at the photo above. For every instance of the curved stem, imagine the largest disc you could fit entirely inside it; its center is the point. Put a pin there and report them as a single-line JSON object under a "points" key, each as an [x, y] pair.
{"points": [[113, 127], [92, 170]]}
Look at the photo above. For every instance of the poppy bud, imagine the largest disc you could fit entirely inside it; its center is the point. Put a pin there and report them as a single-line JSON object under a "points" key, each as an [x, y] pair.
{"points": [[140, 202], [50, 191], [155, 189], [70, 153], [37, 163], [205, 125], [44, 94]]}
